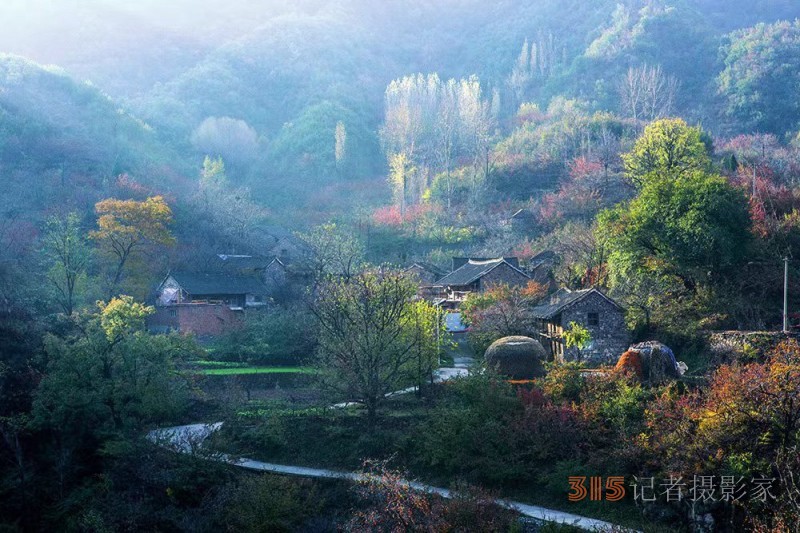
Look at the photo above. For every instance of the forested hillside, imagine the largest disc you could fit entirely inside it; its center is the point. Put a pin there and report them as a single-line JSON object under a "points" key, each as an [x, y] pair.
{"points": [[644, 150], [287, 76]]}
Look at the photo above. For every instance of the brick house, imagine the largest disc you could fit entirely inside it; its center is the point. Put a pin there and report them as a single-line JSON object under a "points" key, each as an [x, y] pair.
{"points": [[602, 316], [212, 299]]}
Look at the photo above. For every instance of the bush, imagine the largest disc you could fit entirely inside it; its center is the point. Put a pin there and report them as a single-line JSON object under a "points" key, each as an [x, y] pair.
{"points": [[280, 337], [563, 382], [391, 504], [488, 432], [269, 503]]}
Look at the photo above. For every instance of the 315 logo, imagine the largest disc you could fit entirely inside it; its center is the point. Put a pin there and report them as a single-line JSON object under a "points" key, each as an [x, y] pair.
{"points": [[614, 489]]}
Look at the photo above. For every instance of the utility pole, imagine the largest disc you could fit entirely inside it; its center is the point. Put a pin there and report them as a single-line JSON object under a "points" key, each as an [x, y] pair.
{"points": [[785, 294], [438, 334]]}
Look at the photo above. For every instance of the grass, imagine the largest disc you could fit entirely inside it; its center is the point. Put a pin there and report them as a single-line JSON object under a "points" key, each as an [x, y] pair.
{"points": [[248, 370], [218, 364]]}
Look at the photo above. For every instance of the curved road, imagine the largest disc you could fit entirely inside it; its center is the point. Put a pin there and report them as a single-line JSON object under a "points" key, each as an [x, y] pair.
{"points": [[189, 439]]}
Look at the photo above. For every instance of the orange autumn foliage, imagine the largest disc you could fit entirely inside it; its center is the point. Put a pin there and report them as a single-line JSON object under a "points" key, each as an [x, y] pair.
{"points": [[630, 362]]}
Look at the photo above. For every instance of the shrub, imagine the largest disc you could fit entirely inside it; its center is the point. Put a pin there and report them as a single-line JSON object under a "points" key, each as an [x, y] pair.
{"points": [[282, 337]]}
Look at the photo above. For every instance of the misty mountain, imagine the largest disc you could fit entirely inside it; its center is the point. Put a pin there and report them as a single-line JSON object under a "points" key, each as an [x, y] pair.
{"points": [[65, 142]]}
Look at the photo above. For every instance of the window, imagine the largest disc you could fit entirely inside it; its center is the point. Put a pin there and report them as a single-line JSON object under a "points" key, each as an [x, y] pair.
{"points": [[594, 319], [173, 312]]}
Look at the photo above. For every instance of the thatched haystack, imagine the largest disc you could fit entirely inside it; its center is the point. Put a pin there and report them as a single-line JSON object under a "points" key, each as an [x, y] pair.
{"points": [[631, 363], [651, 362], [517, 357]]}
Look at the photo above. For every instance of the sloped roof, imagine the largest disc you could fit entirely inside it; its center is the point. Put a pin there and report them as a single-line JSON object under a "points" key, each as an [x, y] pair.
{"points": [[433, 269], [563, 298], [203, 283], [241, 262], [523, 213], [474, 270]]}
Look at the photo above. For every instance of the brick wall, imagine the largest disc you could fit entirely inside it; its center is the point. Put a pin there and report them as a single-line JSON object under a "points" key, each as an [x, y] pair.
{"points": [[610, 337], [201, 319]]}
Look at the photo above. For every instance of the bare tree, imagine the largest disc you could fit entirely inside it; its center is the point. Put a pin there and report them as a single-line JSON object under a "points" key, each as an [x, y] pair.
{"points": [[231, 138], [232, 209], [536, 61], [333, 252], [340, 144], [646, 93], [447, 134], [431, 124]]}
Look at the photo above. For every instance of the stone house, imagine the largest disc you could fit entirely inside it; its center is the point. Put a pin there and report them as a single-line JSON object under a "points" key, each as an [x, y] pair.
{"points": [[424, 273], [602, 316], [522, 220], [477, 275], [540, 269]]}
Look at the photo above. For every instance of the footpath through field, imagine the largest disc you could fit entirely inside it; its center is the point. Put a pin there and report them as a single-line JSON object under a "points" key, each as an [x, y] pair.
{"points": [[189, 439]]}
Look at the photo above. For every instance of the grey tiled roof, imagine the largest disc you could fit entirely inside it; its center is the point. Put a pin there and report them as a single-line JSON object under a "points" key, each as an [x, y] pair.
{"points": [[240, 262], [433, 269], [564, 298], [205, 283], [473, 271]]}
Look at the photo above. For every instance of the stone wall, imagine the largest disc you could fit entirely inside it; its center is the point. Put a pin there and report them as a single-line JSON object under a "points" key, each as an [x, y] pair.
{"points": [[610, 338], [743, 346], [503, 274]]}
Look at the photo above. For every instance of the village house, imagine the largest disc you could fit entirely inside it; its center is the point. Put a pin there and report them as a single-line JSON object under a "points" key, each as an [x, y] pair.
{"points": [[476, 275], [522, 221], [590, 308], [424, 273], [540, 269], [212, 298]]}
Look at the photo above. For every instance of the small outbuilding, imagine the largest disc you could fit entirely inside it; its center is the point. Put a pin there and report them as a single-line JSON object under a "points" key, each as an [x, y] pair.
{"points": [[517, 357]]}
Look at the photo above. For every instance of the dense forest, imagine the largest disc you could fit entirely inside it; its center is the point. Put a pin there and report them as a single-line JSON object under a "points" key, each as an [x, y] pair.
{"points": [[651, 148]]}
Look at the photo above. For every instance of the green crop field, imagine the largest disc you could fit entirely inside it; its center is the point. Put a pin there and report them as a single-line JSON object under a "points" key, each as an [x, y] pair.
{"points": [[238, 371]]}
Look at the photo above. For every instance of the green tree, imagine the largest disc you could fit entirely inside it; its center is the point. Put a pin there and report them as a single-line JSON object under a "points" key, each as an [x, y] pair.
{"points": [[426, 329], [667, 147], [303, 152], [122, 316], [365, 346], [105, 385], [64, 246], [578, 337], [762, 76], [693, 230], [401, 177], [213, 174]]}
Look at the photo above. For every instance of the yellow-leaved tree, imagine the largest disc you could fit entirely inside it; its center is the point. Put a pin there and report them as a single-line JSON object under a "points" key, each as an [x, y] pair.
{"points": [[122, 316], [125, 229]]}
